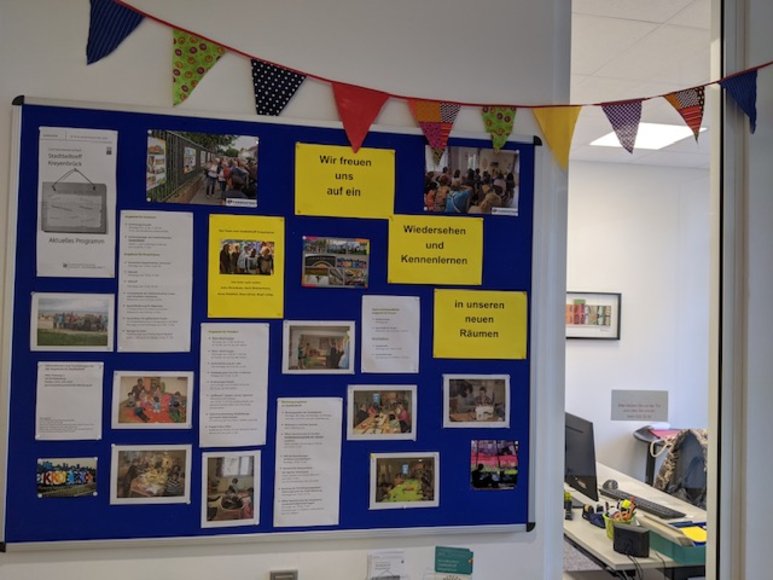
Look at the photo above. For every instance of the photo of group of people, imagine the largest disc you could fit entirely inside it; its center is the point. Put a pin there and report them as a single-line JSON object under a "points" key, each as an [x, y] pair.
{"points": [[322, 347], [476, 400], [249, 257], [230, 480], [150, 474], [67, 477], [404, 480], [335, 262], [152, 400], [470, 180], [493, 464], [381, 412], [71, 321]]}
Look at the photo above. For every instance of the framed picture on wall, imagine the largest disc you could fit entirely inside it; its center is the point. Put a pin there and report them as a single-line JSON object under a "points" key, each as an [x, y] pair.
{"points": [[593, 315]]}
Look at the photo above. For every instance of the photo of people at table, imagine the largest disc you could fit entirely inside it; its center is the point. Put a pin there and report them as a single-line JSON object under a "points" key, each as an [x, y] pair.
{"points": [[335, 262], [476, 400], [152, 400], [318, 347], [471, 180], [229, 489], [404, 480], [150, 474], [67, 477], [247, 257], [493, 464], [381, 412]]}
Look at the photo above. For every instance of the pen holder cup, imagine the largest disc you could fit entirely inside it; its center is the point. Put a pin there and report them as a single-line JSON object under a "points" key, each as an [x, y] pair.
{"points": [[610, 528]]}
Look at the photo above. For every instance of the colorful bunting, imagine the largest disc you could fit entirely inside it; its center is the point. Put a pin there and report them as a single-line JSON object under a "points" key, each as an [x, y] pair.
{"points": [[498, 122], [557, 126], [109, 25], [436, 120], [357, 107], [274, 86], [689, 104], [191, 59], [624, 118], [743, 89]]}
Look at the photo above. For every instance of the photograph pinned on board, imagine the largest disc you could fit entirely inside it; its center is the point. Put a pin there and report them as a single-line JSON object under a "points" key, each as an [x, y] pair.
{"points": [[141, 474], [404, 480], [152, 399], [72, 322], [493, 464], [381, 412], [472, 180], [247, 257], [318, 347], [475, 401], [335, 262], [230, 488], [67, 477], [201, 168]]}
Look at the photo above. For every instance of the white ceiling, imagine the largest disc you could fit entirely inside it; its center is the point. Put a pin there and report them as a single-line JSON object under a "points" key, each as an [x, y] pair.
{"points": [[638, 48]]}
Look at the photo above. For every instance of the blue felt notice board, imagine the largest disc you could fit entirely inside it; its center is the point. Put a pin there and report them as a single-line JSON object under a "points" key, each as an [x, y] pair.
{"points": [[507, 265]]}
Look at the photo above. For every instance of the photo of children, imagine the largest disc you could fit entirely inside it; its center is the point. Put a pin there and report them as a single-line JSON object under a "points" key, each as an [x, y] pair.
{"points": [[150, 474], [72, 321], [404, 480], [381, 412], [322, 347], [229, 482], [67, 477], [470, 180], [335, 262], [476, 401], [493, 464], [247, 257], [152, 400]]}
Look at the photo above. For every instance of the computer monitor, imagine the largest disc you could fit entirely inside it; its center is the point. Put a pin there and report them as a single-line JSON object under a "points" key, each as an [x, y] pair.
{"points": [[580, 457]]}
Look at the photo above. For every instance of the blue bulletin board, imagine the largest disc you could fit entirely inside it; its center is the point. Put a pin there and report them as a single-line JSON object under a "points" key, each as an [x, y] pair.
{"points": [[506, 266]]}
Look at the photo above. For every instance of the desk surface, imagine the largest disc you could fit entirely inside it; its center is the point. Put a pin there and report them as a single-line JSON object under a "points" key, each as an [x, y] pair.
{"points": [[594, 540]]}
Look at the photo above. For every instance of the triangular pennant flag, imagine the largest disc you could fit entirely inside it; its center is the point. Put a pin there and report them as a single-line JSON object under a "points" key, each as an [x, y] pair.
{"points": [[625, 118], [689, 103], [557, 126], [743, 89], [498, 122], [436, 120], [191, 59], [357, 107], [274, 86], [109, 25]]}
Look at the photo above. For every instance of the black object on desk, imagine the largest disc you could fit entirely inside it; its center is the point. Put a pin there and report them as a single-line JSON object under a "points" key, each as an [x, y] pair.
{"points": [[631, 540], [610, 489]]}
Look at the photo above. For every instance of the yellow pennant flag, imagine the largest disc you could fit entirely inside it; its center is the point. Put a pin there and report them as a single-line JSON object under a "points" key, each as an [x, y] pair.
{"points": [[557, 125]]}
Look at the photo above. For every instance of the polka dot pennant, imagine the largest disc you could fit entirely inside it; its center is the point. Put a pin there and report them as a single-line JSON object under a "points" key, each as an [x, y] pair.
{"points": [[689, 104], [436, 119], [624, 118], [498, 122], [192, 58], [274, 87]]}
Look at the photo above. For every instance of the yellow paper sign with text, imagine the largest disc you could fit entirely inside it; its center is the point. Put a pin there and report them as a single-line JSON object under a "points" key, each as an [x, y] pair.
{"points": [[435, 250], [246, 267], [480, 324], [335, 181]]}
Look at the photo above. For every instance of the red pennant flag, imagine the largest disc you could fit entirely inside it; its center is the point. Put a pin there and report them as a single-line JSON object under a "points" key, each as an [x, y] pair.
{"points": [[689, 104], [357, 107], [436, 120]]}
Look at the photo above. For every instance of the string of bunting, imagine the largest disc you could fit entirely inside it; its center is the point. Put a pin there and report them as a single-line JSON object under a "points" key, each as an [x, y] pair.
{"points": [[112, 21]]}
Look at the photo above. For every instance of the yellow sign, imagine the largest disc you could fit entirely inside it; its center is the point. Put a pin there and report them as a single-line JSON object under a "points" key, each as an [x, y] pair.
{"points": [[435, 250], [335, 181], [246, 267], [480, 324]]}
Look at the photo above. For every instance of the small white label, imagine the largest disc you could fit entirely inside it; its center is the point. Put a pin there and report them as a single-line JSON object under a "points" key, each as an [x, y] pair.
{"points": [[640, 406]]}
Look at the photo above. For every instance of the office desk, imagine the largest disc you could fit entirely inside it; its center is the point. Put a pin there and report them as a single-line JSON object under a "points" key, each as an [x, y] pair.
{"points": [[593, 541]]}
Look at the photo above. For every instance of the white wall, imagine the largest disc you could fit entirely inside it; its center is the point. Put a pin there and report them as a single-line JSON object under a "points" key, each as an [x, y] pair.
{"points": [[642, 231], [426, 49]]}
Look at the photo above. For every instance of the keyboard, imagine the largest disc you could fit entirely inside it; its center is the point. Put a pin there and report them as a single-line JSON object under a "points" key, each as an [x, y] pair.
{"points": [[645, 505]]}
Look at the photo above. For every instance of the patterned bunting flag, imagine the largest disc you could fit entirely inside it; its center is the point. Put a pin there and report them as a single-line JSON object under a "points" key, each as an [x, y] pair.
{"points": [[436, 120], [557, 125], [109, 25], [689, 104], [624, 118], [498, 122], [192, 58], [357, 107], [274, 86], [743, 89]]}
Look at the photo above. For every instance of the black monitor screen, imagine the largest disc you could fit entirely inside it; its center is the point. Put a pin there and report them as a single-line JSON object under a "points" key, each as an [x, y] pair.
{"points": [[580, 457]]}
